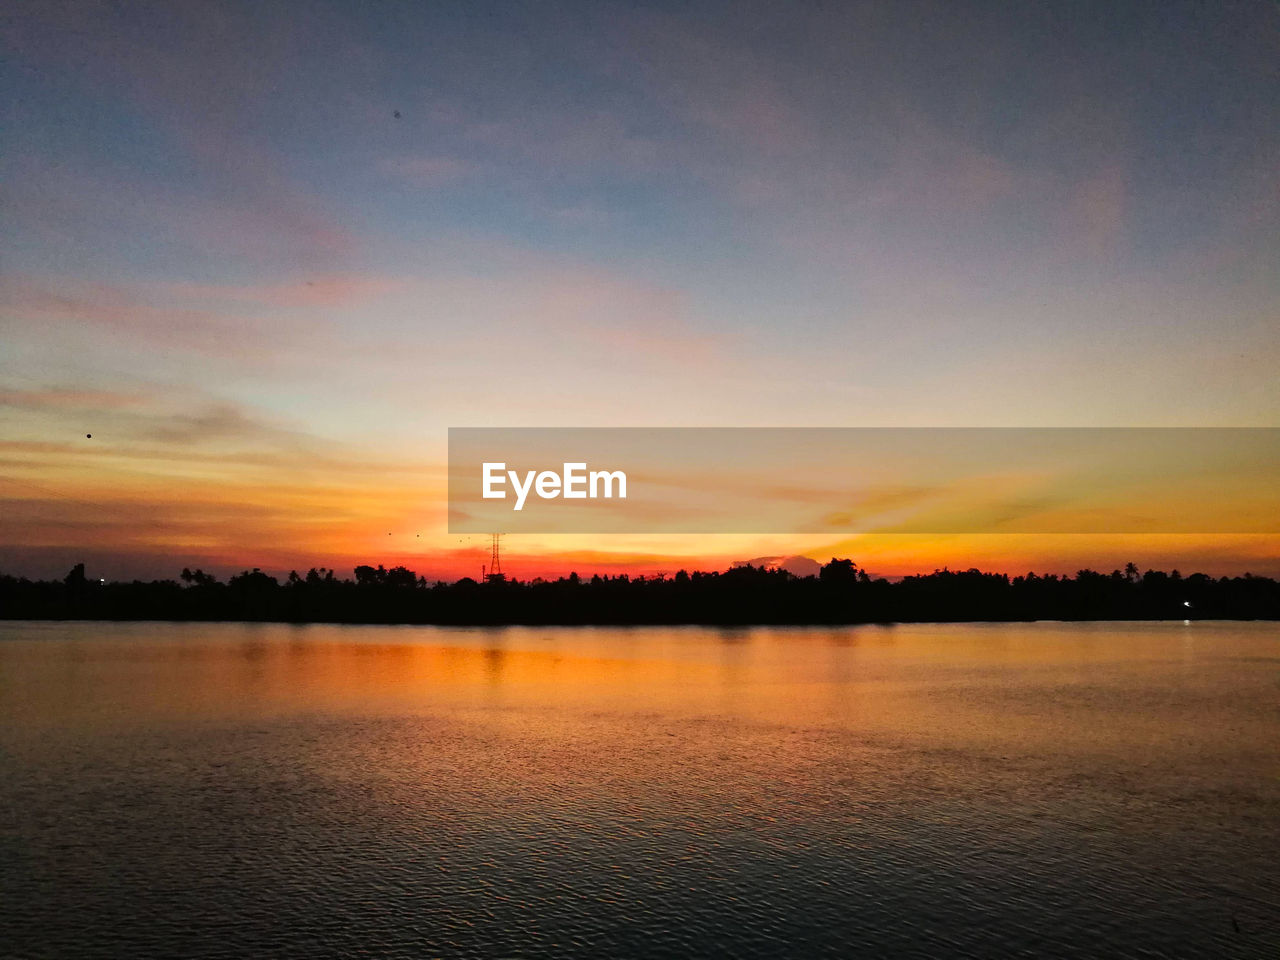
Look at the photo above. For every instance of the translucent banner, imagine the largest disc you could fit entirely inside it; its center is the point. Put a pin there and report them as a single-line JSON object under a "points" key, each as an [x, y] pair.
{"points": [[864, 480]]}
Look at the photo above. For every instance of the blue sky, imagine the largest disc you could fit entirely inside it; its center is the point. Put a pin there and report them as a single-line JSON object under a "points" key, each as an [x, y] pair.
{"points": [[631, 214]]}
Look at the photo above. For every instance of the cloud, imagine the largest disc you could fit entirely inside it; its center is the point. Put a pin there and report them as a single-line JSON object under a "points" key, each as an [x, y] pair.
{"points": [[317, 290], [534, 314], [173, 65], [213, 425], [179, 432], [247, 323], [91, 208], [711, 80], [125, 311], [180, 473], [797, 565], [619, 314], [71, 398]]}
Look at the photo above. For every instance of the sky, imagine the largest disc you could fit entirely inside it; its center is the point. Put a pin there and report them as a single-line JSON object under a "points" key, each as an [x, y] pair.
{"points": [[267, 253]]}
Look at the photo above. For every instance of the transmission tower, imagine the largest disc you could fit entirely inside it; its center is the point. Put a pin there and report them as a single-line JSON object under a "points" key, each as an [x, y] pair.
{"points": [[495, 574]]}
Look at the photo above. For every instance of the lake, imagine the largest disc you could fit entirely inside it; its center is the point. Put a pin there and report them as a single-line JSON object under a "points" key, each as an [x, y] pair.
{"points": [[235, 790]]}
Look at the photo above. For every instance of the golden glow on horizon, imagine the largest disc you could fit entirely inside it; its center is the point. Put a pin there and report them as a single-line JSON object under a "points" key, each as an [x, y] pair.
{"points": [[137, 501], [148, 514]]}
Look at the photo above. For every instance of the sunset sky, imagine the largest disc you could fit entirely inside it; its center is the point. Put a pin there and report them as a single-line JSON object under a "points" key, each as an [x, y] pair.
{"points": [[266, 254]]}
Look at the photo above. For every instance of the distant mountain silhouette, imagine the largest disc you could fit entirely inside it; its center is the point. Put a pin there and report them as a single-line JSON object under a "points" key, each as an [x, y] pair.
{"points": [[840, 593], [800, 566]]}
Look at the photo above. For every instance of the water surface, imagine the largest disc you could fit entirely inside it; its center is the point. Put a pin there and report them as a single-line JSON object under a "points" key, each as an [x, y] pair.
{"points": [[229, 790]]}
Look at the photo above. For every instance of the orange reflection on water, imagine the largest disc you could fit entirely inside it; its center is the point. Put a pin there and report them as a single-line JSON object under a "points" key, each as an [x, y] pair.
{"points": [[1078, 688]]}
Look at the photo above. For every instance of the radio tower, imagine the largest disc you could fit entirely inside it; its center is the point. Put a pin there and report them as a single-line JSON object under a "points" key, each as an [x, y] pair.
{"points": [[495, 574]]}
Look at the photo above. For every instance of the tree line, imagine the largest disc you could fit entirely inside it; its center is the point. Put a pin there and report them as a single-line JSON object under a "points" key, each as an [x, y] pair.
{"points": [[840, 593]]}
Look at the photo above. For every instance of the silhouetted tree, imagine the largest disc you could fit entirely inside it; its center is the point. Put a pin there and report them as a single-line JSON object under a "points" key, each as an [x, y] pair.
{"points": [[841, 593], [839, 572]]}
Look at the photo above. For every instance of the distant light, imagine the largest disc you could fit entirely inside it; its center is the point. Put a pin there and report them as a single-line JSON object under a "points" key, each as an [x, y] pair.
{"points": [[1186, 603], [102, 579]]}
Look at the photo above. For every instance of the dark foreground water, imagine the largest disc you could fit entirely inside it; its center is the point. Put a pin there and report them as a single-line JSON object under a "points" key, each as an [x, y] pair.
{"points": [[241, 790]]}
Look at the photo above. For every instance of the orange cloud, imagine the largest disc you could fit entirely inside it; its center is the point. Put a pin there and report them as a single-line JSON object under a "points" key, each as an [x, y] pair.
{"points": [[67, 398], [126, 311]]}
